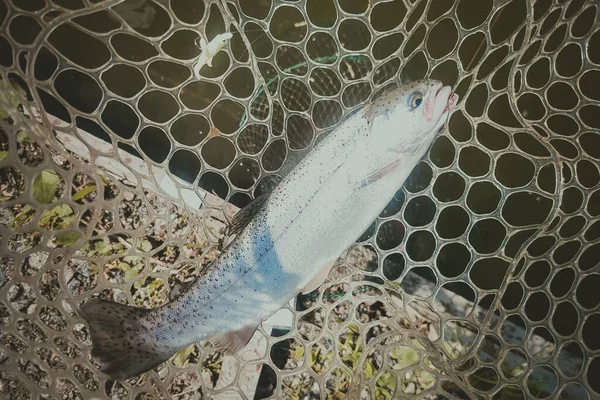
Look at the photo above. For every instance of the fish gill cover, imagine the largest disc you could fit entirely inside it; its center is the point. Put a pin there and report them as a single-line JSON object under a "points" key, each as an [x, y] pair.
{"points": [[124, 154]]}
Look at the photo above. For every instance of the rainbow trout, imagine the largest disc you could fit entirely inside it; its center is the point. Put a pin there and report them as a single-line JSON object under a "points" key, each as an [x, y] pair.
{"points": [[285, 241]]}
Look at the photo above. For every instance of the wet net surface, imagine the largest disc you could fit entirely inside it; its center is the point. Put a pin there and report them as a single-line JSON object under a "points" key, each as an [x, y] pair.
{"points": [[120, 157]]}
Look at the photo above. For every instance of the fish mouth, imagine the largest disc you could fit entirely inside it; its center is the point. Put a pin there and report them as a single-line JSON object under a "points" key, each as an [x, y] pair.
{"points": [[444, 96]]}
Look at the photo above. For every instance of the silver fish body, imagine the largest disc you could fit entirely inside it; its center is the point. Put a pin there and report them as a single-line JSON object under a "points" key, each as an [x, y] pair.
{"points": [[329, 199]]}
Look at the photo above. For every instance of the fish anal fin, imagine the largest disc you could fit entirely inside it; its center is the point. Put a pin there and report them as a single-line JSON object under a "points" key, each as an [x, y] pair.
{"points": [[233, 341], [245, 215]]}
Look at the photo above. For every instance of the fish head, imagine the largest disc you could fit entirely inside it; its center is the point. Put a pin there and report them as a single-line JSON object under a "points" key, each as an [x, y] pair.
{"points": [[410, 115]]}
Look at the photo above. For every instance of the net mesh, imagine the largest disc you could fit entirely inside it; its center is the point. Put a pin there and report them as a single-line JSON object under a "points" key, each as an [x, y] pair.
{"points": [[124, 156]]}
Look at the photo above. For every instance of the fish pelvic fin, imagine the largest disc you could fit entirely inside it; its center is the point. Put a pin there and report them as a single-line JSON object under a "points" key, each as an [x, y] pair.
{"points": [[319, 278], [120, 342], [233, 341]]}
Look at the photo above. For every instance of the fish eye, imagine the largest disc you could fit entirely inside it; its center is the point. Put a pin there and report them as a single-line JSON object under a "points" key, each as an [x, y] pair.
{"points": [[415, 101]]}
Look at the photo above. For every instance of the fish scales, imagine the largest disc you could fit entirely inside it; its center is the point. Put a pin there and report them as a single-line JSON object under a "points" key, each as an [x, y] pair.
{"points": [[328, 200]]}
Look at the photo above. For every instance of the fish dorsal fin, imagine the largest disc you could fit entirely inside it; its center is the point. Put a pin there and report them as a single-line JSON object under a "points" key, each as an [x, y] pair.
{"points": [[179, 288], [245, 215]]}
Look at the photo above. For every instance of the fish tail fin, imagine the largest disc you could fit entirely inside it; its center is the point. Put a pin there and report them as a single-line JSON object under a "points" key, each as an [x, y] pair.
{"points": [[120, 341]]}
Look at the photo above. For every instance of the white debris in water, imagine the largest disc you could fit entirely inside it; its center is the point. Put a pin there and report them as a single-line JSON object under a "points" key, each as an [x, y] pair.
{"points": [[209, 50]]}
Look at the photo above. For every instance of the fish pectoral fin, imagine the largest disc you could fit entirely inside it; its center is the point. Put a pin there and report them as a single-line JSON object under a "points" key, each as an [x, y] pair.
{"points": [[245, 215], [233, 341], [377, 175]]}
